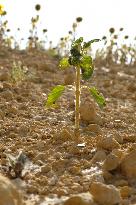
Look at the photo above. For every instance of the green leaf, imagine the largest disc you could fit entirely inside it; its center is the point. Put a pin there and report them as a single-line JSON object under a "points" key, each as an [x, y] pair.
{"points": [[87, 67], [98, 97], [54, 95], [78, 41], [88, 44], [75, 51], [64, 63], [95, 40]]}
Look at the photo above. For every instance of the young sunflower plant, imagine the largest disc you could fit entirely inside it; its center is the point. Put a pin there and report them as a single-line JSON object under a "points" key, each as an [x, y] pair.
{"points": [[83, 64]]}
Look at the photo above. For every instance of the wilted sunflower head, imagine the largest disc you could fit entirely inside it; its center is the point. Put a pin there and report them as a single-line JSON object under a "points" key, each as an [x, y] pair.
{"points": [[121, 29], [115, 36], [104, 38], [112, 30], [126, 37], [70, 32], [45, 30], [1, 9], [30, 38], [4, 13], [79, 19], [37, 7]]}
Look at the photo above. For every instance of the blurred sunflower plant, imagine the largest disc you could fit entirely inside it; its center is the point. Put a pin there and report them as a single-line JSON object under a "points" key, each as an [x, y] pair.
{"points": [[1, 9]]}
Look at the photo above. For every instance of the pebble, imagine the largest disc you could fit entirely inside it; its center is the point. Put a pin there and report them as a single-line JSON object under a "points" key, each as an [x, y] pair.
{"points": [[105, 194], [125, 191], [80, 199], [108, 143], [94, 128], [45, 168], [87, 112], [128, 165], [9, 193], [99, 156], [111, 162]]}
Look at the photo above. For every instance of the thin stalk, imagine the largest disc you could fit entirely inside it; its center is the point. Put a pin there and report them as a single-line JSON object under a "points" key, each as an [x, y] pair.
{"points": [[77, 103]]}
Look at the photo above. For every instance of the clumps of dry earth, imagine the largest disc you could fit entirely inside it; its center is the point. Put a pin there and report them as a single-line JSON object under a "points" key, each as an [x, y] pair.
{"points": [[39, 155]]}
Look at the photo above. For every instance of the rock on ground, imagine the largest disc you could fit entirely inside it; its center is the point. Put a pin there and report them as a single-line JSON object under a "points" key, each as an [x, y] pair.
{"points": [[128, 165], [111, 162], [8, 193], [105, 194], [80, 199], [108, 143], [87, 111]]}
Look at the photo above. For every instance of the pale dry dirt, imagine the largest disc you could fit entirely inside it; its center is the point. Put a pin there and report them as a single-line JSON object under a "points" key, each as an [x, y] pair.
{"points": [[55, 165]]}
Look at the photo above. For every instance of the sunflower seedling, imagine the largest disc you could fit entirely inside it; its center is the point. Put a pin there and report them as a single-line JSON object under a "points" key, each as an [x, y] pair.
{"points": [[83, 64]]}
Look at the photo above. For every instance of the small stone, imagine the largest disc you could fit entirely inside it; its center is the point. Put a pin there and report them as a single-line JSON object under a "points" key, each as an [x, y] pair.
{"points": [[94, 128], [99, 156], [87, 111], [80, 199], [128, 165], [74, 170], [45, 168], [105, 194], [69, 79], [4, 76], [111, 162], [64, 135], [118, 138], [125, 191], [108, 143], [7, 94], [119, 153], [9, 193]]}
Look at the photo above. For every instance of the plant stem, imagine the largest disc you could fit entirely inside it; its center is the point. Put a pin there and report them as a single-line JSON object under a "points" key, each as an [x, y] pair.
{"points": [[77, 103]]}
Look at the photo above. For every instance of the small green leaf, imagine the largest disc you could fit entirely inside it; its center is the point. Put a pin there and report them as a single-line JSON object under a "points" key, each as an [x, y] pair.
{"points": [[98, 97], [64, 63], [54, 95], [95, 40], [86, 45], [86, 65], [78, 41]]}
